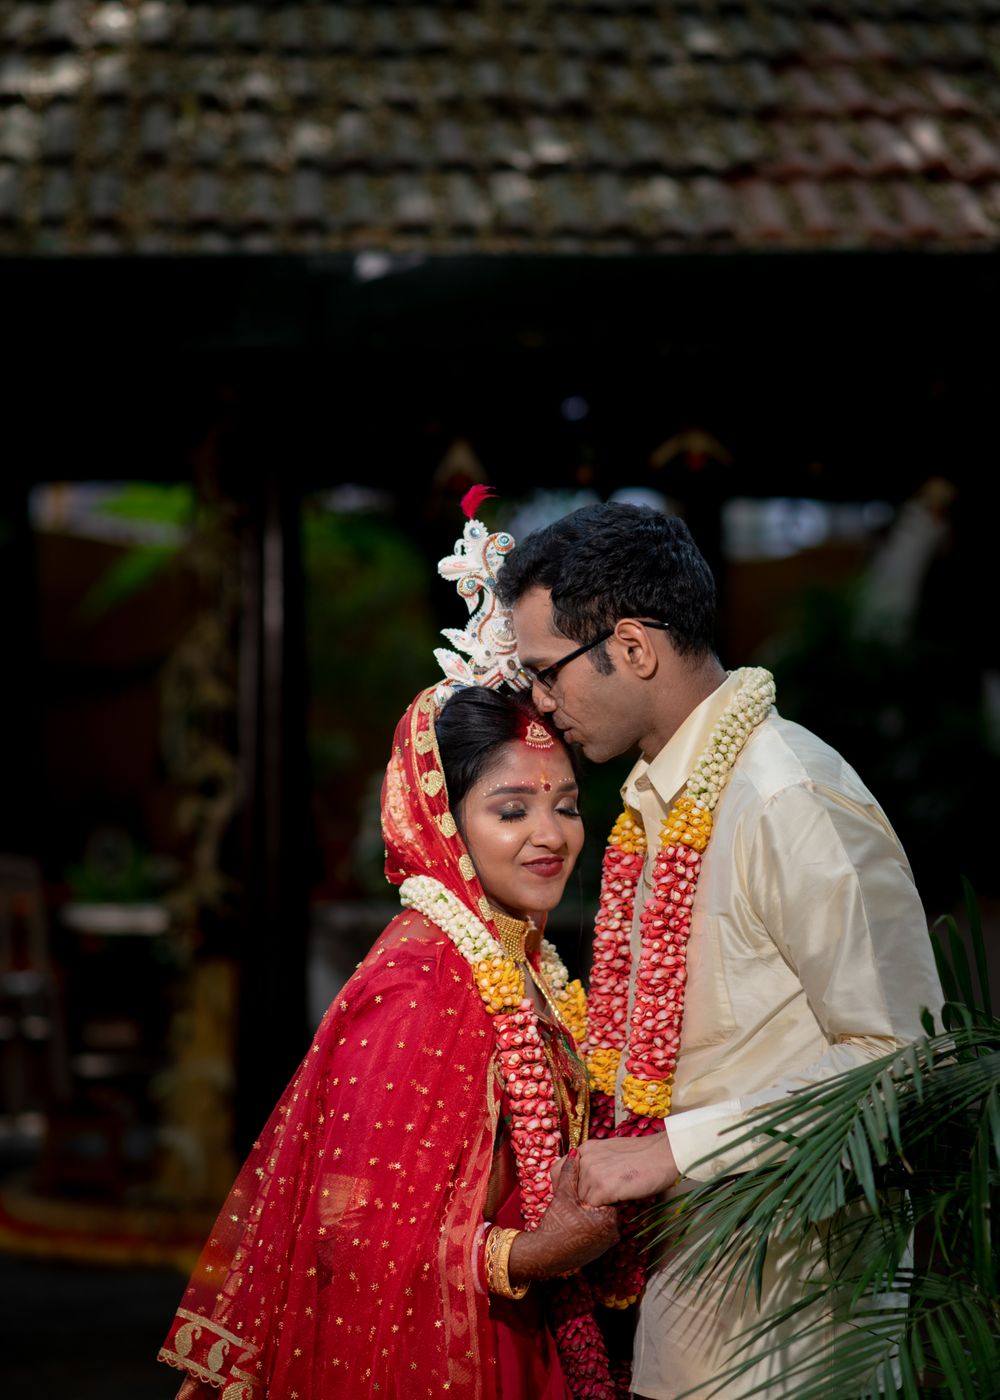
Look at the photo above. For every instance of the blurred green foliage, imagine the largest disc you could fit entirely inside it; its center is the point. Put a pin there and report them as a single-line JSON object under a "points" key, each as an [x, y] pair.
{"points": [[115, 869], [128, 576], [153, 502], [369, 643], [144, 503]]}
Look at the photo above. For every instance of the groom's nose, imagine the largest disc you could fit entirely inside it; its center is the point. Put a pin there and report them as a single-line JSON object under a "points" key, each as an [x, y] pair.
{"points": [[544, 700]]}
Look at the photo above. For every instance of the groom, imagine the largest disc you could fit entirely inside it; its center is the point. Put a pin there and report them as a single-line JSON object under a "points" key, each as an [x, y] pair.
{"points": [[808, 950]]}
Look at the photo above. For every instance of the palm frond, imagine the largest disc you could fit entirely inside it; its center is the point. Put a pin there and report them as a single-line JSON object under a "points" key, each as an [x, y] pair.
{"points": [[809, 1155], [888, 1346], [965, 1002], [900, 1149], [909, 1143]]}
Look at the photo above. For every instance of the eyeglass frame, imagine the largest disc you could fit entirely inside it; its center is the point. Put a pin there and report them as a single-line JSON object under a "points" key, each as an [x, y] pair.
{"points": [[547, 674]]}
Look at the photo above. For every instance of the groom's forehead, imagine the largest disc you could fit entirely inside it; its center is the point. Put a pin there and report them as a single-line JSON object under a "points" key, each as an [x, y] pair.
{"points": [[534, 609], [534, 627]]}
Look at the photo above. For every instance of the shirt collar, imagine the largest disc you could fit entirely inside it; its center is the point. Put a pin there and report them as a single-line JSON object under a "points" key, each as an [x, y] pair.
{"points": [[671, 768]]}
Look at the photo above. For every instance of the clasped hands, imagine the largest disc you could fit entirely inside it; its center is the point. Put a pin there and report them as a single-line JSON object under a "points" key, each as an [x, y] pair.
{"points": [[581, 1222], [623, 1169]]}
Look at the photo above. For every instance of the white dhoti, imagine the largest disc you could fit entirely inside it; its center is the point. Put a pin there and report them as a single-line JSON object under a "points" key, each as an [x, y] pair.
{"points": [[686, 1341]]}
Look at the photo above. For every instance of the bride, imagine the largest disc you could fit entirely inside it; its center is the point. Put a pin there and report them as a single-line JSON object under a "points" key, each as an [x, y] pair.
{"points": [[395, 1229]]}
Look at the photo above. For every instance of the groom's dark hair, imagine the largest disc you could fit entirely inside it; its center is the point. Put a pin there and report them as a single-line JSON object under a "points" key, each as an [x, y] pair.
{"points": [[605, 562]]}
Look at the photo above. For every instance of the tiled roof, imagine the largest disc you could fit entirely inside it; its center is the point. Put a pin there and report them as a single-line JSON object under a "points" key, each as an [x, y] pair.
{"points": [[590, 125]]}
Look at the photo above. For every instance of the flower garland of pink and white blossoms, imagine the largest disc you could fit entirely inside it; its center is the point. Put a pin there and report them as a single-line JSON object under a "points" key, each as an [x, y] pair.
{"points": [[649, 1038], [535, 1115], [527, 1077]]}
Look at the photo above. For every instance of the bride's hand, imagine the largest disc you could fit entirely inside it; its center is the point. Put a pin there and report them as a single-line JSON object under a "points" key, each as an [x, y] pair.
{"points": [[623, 1169], [569, 1235]]}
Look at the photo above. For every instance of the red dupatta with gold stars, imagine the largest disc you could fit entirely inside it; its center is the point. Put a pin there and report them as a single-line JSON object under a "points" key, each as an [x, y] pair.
{"points": [[343, 1258]]}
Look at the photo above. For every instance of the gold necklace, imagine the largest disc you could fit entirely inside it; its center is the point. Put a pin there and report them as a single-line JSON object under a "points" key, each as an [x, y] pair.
{"points": [[513, 935]]}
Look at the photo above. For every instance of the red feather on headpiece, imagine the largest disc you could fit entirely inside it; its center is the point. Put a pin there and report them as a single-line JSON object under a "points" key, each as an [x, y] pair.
{"points": [[474, 498]]}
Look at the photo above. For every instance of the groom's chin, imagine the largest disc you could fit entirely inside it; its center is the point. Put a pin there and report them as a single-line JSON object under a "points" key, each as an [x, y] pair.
{"points": [[598, 751]]}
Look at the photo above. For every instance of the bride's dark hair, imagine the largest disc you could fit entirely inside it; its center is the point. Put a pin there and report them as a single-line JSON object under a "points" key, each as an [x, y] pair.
{"points": [[474, 724]]}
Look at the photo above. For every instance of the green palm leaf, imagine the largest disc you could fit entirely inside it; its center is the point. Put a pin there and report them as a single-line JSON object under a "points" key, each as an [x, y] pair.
{"points": [[903, 1148]]}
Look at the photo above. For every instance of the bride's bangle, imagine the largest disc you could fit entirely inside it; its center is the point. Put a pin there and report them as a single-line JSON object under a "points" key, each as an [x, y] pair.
{"points": [[498, 1246]]}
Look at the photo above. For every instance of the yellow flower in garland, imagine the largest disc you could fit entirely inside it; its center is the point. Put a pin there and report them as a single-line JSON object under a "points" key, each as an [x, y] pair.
{"points": [[627, 834], [687, 825], [572, 1008], [500, 983], [648, 1098], [603, 1065]]}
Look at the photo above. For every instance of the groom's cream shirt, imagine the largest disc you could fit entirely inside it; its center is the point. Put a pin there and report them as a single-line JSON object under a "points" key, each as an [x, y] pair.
{"points": [[809, 950], [808, 954]]}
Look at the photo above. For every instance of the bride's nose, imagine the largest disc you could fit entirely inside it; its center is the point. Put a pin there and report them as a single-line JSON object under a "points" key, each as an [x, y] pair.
{"points": [[547, 832]]}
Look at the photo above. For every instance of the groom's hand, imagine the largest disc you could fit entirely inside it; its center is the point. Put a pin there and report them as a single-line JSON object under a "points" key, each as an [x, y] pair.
{"points": [[570, 1234], [623, 1169]]}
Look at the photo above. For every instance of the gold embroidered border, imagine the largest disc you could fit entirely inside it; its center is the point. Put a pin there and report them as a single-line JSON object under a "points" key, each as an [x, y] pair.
{"points": [[185, 1360], [220, 1331], [213, 1378]]}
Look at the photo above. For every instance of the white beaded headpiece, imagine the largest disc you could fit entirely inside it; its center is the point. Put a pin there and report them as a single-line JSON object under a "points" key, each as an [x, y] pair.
{"points": [[488, 636]]}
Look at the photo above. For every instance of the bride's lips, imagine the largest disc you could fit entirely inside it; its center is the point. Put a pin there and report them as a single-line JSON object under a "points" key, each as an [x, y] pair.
{"points": [[547, 867]]}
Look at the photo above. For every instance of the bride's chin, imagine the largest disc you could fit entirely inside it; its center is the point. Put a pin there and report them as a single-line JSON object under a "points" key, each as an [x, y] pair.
{"points": [[546, 903]]}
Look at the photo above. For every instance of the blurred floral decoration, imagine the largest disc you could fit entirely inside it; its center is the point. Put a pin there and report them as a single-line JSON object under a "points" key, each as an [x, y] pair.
{"points": [[902, 698], [199, 744], [198, 715], [172, 526], [198, 532]]}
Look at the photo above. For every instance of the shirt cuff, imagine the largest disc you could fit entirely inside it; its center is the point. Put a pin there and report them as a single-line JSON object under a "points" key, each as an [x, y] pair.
{"points": [[701, 1133]]}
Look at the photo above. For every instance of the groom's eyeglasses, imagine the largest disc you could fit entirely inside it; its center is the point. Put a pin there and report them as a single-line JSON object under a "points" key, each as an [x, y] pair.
{"points": [[547, 675]]}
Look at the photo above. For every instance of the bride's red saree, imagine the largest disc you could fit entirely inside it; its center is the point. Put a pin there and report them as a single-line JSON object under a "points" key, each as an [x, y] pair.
{"points": [[345, 1258]]}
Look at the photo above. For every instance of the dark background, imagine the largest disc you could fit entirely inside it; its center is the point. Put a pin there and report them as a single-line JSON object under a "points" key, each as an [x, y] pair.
{"points": [[263, 384], [278, 282]]}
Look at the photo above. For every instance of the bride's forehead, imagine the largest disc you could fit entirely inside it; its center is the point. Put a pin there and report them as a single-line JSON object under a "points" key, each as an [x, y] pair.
{"points": [[517, 763]]}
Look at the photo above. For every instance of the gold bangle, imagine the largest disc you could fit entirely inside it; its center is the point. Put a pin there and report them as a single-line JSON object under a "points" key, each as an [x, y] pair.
{"points": [[498, 1246]]}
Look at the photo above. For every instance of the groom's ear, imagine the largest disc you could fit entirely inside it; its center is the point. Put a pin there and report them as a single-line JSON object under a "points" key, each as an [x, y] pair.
{"points": [[637, 650]]}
